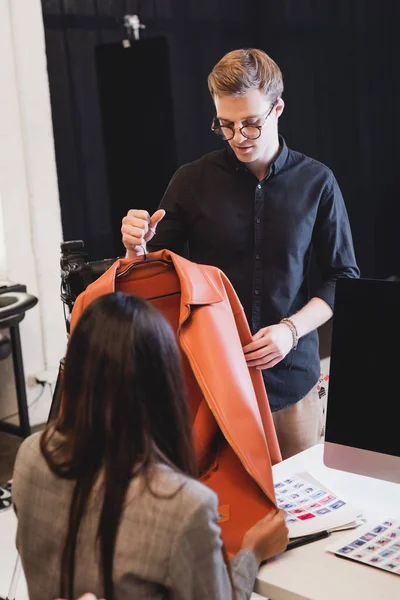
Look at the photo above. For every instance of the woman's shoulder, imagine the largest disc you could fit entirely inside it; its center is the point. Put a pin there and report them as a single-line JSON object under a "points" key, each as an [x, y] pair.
{"points": [[28, 451], [30, 468]]}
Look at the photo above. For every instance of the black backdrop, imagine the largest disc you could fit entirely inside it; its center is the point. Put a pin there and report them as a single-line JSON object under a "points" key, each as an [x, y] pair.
{"points": [[137, 119], [342, 94]]}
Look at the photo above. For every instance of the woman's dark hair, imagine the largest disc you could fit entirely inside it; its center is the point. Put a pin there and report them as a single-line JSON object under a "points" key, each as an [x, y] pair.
{"points": [[123, 410]]}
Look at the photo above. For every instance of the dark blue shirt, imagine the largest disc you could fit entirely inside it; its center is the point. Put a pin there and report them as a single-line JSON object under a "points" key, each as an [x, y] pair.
{"points": [[261, 234]]}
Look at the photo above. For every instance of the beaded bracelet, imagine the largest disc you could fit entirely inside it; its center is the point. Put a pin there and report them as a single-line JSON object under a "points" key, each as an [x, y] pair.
{"points": [[293, 329]]}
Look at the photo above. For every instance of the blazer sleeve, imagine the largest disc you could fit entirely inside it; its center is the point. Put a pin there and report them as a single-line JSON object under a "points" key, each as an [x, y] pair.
{"points": [[197, 570]]}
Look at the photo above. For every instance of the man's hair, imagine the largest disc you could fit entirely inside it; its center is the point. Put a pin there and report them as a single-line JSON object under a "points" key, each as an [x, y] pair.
{"points": [[247, 69]]}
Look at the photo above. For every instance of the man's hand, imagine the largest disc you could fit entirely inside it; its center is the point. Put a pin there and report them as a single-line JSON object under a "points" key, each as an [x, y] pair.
{"points": [[269, 346], [137, 229]]}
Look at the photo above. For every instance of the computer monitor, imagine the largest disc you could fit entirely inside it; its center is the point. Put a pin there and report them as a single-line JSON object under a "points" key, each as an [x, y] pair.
{"points": [[362, 432]]}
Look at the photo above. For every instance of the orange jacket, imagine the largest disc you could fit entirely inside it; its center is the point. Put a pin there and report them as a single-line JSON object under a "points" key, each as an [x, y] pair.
{"points": [[224, 395]]}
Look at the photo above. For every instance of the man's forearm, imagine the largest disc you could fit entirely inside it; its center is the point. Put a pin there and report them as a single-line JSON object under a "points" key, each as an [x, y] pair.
{"points": [[314, 314]]}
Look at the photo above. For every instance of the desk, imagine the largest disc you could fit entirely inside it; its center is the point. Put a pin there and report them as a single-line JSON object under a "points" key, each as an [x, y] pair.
{"points": [[310, 573]]}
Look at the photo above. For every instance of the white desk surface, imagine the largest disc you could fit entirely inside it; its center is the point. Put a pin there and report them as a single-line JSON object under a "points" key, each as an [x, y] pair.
{"points": [[311, 573]]}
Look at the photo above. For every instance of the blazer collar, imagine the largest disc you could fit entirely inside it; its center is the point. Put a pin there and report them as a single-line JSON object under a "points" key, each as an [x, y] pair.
{"points": [[196, 288]]}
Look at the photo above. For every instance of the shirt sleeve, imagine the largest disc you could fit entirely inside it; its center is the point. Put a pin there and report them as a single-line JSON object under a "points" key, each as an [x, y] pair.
{"points": [[333, 242], [197, 569], [172, 231]]}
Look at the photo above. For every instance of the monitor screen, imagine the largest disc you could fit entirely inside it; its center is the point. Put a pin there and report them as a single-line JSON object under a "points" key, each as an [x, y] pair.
{"points": [[362, 431]]}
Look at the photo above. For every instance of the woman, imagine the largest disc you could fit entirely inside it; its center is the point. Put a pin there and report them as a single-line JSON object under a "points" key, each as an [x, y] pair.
{"points": [[106, 497]]}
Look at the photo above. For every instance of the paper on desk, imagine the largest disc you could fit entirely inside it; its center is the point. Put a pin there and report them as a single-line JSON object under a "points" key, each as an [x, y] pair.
{"points": [[312, 507], [375, 544]]}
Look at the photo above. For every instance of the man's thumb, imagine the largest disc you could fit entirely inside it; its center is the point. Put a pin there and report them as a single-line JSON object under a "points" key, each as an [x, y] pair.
{"points": [[155, 219]]}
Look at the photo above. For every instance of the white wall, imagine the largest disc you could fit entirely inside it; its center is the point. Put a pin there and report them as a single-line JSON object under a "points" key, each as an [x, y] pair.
{"points": [[30, 222]]}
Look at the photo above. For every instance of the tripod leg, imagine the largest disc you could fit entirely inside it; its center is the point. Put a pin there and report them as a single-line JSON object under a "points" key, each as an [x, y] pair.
{"points": [[20, 380]]}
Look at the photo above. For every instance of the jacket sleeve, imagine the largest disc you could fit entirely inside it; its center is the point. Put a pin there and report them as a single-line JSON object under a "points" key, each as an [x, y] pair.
{"points": [[197, 569], [172, 230]]}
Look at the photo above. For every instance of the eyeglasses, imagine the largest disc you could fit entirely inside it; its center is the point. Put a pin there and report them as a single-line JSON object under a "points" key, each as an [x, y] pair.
{"points": [[251, 132]]}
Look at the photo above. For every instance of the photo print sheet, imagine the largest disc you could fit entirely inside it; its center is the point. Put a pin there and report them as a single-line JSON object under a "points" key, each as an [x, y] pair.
{"points": [[311, 507], [375, 544]]}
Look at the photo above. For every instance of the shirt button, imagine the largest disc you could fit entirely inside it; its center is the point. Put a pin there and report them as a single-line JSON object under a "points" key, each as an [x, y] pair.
{"points": [[258, 220], [256, 292], [259, 186], [257, 256]]}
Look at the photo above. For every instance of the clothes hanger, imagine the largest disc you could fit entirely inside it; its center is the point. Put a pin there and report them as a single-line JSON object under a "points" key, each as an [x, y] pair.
{"points": [[145, 261]]}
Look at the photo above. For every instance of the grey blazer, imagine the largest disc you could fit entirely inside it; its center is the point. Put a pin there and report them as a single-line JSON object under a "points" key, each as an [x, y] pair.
{"points": [[166, 548]]}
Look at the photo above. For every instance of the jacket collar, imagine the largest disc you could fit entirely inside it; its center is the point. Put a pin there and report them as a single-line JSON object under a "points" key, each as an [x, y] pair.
{"points": [[196, 288]]}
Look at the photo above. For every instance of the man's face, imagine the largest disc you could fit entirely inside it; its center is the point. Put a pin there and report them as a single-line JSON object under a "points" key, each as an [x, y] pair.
{"points": [[250, 109]]}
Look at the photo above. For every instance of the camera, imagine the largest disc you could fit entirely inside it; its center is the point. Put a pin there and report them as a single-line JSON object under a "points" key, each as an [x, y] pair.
{"points": [[77, 273]]}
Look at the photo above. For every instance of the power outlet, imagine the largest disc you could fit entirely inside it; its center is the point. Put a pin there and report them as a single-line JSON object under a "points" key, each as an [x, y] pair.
{"points": [[47, 376]]}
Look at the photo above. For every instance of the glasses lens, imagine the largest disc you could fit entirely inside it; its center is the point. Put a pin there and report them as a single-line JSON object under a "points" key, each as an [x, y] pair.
{"points": [[251, 133], [225, 133]]}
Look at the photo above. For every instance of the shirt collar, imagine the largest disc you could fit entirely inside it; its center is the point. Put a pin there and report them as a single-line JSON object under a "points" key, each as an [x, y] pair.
{"points": [[275, 166]]}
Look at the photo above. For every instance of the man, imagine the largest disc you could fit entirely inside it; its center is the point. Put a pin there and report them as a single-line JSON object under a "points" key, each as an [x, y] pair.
{"points": [[256, 210]]}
